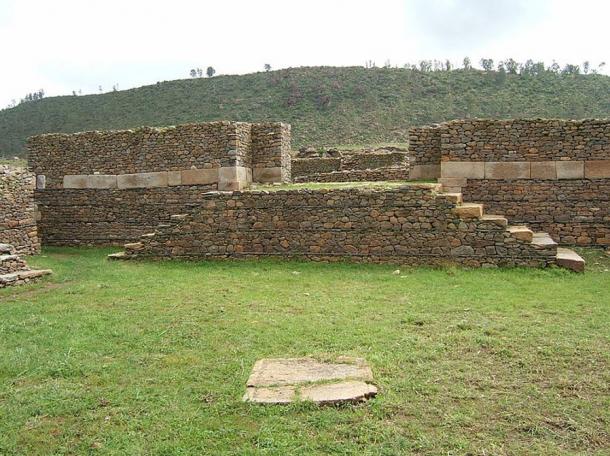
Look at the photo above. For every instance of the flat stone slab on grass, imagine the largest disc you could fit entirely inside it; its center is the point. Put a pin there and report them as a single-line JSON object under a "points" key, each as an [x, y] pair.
{"points": [[284, 380]]}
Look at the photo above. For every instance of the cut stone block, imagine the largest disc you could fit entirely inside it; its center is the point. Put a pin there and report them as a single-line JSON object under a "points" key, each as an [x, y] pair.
{"points": [[453, 181], [174, 178], [142, 180], [283, 380], [597, 169], [496, 219], [507, 170], [41, 181], [199, 176], [543, 241], [267, 175], [90, 181], [522, 233], [233, 178], [569, 259], [469, 170], [469, 210], [570, 169], [543, 170], [423, 172]]}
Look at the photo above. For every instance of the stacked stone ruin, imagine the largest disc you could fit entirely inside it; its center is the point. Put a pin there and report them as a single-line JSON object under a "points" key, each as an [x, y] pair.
{"points": [[183, 192], [14, 270]]}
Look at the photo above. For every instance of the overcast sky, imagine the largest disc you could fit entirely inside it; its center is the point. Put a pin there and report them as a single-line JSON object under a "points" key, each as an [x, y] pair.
{"points": [[66, 45]]}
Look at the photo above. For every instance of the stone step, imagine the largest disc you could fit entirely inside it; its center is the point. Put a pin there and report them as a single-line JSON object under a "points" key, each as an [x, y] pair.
{"points": [[569, 259], [497, 219], [522, 233], [27, 274], [4, 258], [469, 210], [543, 241], [7, 249], [178, 217], [134, 246], [117, 256]]}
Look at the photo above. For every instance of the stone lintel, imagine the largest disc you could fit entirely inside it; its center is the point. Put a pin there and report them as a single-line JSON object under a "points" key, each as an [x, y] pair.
{"points": [[424, 172], [174, 178], [570, 169], [507, 170], [142, 180], [543, 170], [597, 169], [90, 181], [199, 176], [468, 170]]}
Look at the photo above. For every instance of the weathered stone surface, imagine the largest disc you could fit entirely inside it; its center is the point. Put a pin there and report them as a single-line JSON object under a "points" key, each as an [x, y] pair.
{"points": [[174, 178], [14, 270], [142, 180], [507, 170], [469, 170], [90, 181], [199, 176], [18, 210], [291, 371], [284, 380], [570, 169], [569, 259], [425, 172], [522, 233], [469, 210], [597, 169], [543, 170], [267, 175], [41, 181]]}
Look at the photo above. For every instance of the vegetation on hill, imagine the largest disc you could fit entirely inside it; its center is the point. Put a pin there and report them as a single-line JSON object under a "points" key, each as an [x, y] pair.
{"points": [[325, 105]]}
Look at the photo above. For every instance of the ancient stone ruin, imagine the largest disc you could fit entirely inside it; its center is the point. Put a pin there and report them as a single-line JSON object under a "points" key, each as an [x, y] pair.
{"points": [[183, 192], [14, 270]]}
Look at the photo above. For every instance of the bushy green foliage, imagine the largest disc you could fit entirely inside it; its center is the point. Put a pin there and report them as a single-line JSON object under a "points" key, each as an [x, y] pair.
{"points": [[325, 105]]}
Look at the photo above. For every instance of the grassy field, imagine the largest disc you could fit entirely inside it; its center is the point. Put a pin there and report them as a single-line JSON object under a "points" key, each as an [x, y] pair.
{"points": [[152, 358]]}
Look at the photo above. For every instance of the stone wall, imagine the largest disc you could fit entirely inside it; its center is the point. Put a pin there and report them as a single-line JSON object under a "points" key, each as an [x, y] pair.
{"points": [[425, 152], [412, 224], [222, 153], [353, 165], [18, 211], [551, 174]]}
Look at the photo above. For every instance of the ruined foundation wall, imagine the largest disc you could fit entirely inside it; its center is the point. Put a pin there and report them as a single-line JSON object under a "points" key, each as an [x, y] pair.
{"points": [[413, 224], [18, 210]]}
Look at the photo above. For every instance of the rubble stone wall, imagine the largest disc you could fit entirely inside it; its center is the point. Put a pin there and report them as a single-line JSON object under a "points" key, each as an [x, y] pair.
{"points": [[553, 175], [18, 210], [412, 224]]}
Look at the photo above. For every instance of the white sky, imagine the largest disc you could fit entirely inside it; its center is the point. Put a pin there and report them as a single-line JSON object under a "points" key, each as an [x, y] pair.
{"points": [[65, 45]]}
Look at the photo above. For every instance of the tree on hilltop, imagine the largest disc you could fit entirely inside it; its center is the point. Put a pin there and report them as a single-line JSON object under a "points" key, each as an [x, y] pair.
{"points": [[210, 71]]}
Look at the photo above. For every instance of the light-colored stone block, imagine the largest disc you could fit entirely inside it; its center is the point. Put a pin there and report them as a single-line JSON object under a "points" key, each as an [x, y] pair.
{"points": [[280, 381], [507, 170], [453, 181], [543, 170], [142, 180], [267, 175], [469, 170], [570, 169], [174, 178], [199, 176], [41, 181], [424, 172], [597, 169], [232, 178], [82, 181]]}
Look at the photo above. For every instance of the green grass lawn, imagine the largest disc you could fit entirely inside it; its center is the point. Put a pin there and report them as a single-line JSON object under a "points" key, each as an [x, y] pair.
{"points": [[152, 358]]}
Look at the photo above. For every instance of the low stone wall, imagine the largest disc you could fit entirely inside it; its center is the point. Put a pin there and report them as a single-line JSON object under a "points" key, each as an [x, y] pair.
{"points": [[18, 211], [75, 217], [413, 224], [361, 165]]}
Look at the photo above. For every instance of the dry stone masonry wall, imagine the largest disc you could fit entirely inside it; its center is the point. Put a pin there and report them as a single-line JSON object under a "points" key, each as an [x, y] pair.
{"points": [[18, 210], [553, 175], [413, 224], [384, 164], [106, 188]]}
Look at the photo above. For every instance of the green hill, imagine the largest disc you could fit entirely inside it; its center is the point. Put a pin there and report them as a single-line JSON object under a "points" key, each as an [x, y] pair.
{"points": [[325, 105]]}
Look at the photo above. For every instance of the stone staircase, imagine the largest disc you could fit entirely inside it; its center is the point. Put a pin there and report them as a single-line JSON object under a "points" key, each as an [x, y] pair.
{"points": [[516, 244], [541, 241], [14, 270]]}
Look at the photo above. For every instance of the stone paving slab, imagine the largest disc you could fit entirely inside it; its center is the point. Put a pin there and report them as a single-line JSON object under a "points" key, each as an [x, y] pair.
{"points": [[284, 380]]}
